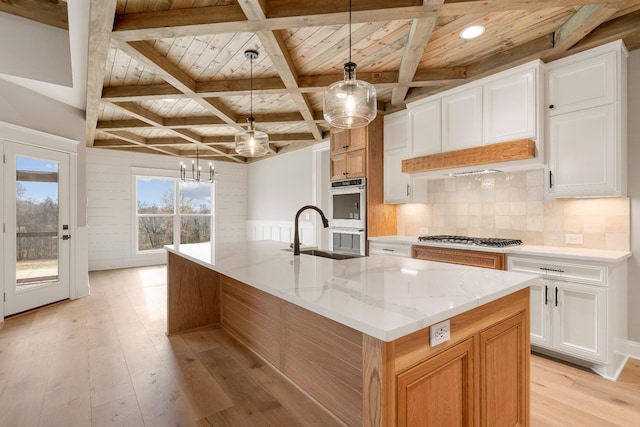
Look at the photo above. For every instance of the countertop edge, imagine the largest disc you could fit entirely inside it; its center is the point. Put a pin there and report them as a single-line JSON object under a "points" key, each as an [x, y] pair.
{"points": [[594, 255]]}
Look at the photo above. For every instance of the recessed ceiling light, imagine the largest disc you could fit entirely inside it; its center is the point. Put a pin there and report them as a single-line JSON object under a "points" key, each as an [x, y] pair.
{"points": [[472, 32]]}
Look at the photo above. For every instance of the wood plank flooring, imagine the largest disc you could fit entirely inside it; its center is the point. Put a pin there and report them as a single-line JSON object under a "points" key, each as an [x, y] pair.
{"points": [[104, 360]]}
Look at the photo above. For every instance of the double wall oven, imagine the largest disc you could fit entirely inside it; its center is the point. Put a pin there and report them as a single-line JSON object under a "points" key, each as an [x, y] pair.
{"points": [[348, 216]]}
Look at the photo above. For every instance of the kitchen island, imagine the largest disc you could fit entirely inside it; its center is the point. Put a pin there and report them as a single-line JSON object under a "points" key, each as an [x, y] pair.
{"points": [[354, 334]]}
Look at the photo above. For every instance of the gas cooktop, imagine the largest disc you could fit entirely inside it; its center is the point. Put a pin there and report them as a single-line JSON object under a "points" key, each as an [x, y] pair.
{"points": [[472, 241]]}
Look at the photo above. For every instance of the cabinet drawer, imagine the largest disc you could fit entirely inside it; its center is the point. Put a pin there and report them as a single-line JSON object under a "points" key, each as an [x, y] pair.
{"points": [[559, 270], [492, 260], [394, 249]]}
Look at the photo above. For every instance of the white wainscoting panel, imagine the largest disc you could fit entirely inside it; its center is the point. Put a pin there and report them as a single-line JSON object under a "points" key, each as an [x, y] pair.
{"points": [[281, 231]]}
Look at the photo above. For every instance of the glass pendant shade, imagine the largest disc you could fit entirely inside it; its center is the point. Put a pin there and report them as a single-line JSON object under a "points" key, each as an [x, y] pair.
{"points": [[252, 143], [350, 103]]}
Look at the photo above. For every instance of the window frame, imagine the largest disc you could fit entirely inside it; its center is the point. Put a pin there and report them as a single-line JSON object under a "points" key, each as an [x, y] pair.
{"points": [[137, 173]]}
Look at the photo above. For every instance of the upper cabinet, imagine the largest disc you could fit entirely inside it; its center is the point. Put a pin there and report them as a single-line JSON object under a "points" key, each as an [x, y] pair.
{"points": [[348, 153], [424, 122], [462, 119], [511, 105], [586, 123], [399, 187], [503, 107]]}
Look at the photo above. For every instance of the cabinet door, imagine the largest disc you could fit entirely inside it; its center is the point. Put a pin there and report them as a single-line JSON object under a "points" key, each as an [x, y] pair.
{"points": [[338, 166], [440, 390], [339, 140], [510, 108], [396, 130], [504, 373], [541, 303], [356, 163], [585, 84], [343, 140], [425, 123], [583, 154], [579, 320], [462, 120], [397, 185]]}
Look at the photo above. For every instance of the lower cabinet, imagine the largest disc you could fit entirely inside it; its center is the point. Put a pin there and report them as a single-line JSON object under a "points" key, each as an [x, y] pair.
{"points": [[571, 318], [483, 375], [578, 310], [387, 248]]}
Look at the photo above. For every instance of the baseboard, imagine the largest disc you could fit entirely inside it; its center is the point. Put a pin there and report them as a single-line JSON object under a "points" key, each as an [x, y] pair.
{"points": [[632, 349]]}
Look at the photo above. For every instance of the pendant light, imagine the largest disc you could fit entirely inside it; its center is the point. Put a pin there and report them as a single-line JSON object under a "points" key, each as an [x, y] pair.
{"points": [[252, 143], [350, 103], [196, 170]]}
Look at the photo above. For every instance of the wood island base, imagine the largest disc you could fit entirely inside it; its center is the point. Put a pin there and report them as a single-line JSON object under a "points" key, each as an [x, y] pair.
{"points": [[479, 377]]}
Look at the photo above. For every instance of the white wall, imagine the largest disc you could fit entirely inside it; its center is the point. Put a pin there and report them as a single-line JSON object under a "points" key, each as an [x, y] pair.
{"points": [[633, 188], [111, 205], [280, 186]]}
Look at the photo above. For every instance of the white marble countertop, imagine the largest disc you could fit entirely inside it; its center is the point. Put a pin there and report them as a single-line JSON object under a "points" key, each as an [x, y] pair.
{"points": [[385, 297], [593, 255]]}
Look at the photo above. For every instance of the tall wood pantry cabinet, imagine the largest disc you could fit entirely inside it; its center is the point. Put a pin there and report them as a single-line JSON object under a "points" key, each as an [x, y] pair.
{"points": [[359, 153]]}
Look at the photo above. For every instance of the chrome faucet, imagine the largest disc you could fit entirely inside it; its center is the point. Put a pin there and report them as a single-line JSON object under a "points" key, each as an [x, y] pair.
{"points": [[296, 235]]}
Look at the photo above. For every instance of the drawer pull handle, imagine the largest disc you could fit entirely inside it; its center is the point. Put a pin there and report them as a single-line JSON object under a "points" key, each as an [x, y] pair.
{"points": [[555, 270], [388, 250], [546, 294]]}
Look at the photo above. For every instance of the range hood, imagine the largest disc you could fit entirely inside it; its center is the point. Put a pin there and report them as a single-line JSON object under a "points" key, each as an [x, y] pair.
{"points": [[452, 161]]}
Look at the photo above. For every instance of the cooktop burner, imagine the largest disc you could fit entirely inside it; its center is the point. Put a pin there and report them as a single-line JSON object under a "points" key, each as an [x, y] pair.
{"points": [[474, 241]]}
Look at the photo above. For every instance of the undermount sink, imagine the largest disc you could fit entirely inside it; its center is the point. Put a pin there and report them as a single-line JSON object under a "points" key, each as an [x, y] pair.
{"points": [[329, 254]]}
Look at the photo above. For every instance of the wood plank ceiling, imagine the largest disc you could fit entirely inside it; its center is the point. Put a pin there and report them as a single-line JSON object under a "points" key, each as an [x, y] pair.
{"points": [[167, 76]]}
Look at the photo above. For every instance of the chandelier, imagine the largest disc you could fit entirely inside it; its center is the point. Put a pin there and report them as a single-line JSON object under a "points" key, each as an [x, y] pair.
{"points": [[251, 143], [350, 103], [196, 170]]}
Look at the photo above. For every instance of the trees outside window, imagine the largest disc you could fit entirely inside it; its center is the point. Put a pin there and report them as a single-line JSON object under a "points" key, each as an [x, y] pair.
{"points": [[171, 211]]}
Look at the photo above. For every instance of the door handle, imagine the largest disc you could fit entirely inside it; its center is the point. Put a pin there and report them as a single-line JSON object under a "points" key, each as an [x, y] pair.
{"points": [[556, 296], [66, 237], [546, 294], [407, 190]]}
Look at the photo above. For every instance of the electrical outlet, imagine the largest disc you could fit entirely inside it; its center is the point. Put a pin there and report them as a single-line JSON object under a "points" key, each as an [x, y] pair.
{"points": [[573, 239], [439, 333], [424, 230]]}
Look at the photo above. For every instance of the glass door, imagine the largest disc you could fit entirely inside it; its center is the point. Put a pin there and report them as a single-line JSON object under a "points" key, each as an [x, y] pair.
{"points": [[36, 238]]}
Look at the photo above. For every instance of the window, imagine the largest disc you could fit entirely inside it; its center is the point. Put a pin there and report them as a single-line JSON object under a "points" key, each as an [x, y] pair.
{"points": [[169, 211]]}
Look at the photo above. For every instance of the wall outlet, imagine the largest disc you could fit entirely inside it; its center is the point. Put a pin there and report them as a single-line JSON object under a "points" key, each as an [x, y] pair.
{"points": [[439, 333], [573, 239], [424, 230]]}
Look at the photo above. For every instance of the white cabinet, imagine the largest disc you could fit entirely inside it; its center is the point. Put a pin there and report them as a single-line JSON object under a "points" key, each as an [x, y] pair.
{"points": [[586, 123], [570, 318], [424, 128], [581, 84], [399, 187], [582, 153], [390, 248], [511, 108], [504, 107], [462, 119], [578, 309]]}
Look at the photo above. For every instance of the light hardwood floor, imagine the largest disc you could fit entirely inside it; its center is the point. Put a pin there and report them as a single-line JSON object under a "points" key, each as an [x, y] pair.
{"points": [[104, 360]]}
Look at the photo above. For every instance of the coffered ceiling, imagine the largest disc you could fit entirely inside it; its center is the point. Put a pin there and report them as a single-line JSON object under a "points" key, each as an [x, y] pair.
{"points": [[167, 76]]}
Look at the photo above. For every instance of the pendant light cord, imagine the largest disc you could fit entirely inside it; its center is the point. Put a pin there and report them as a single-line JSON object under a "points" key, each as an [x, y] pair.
{"points": [[251, 87], [350, 31]]}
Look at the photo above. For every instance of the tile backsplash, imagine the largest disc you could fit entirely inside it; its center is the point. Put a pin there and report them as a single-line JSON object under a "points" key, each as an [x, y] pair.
{"points": [[513, 205]]}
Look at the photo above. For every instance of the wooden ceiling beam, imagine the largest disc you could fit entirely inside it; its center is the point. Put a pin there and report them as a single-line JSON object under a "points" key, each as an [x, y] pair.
{"points": [[48, 12], [275, 47], [581, 23], [145, 53], [619, 28], [139, 141], [287, 14], [157, 121], [418, 37], [101, 16]]}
